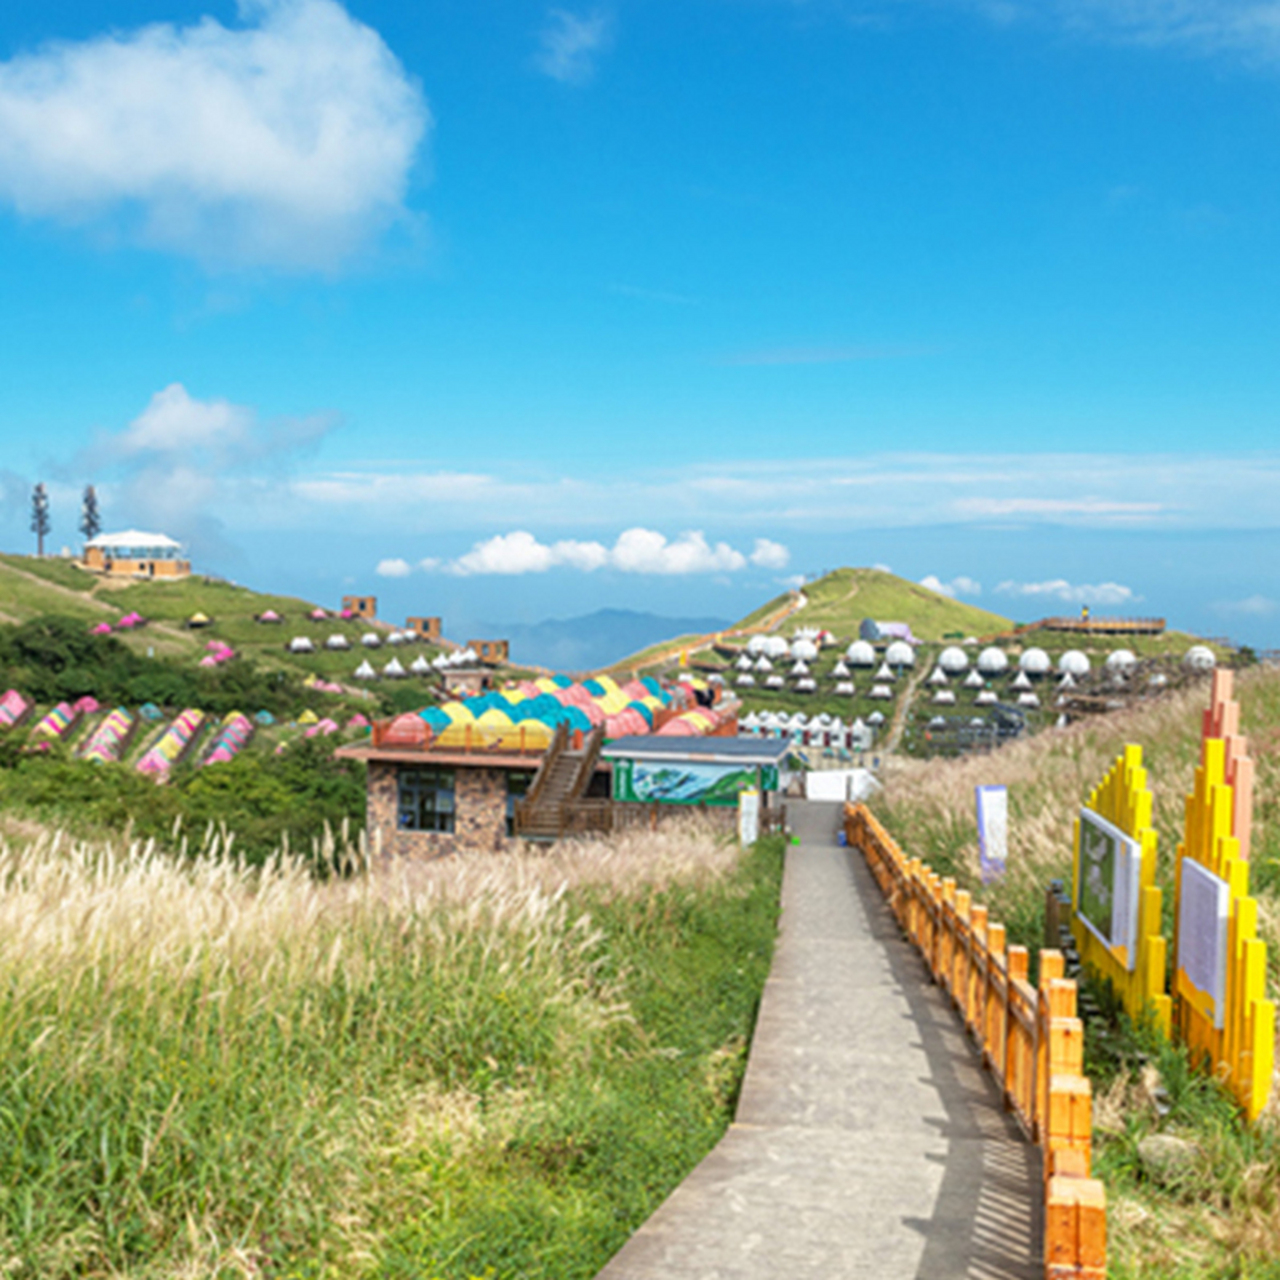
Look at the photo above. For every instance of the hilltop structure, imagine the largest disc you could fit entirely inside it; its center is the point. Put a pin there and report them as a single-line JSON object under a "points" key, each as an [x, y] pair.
{"points": [[135, 554]]}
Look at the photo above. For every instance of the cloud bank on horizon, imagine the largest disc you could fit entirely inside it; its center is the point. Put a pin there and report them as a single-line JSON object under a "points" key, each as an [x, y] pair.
{"points": [[286, 142]]}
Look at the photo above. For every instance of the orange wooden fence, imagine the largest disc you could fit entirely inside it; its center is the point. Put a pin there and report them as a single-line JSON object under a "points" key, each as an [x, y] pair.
{"points": [[1030, 1037]]}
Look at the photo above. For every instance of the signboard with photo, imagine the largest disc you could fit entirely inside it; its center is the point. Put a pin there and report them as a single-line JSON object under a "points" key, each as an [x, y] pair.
{"points": [[1204, 905], [1108, 883]]}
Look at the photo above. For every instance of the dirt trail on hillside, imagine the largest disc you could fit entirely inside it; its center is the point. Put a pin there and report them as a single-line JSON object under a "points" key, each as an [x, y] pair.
{"points": [[899, 721]]}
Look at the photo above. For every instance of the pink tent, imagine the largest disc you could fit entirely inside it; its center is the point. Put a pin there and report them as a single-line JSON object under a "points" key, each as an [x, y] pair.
{"points": [[677, 729], [102, 629], [87, 706], [208, 660]]}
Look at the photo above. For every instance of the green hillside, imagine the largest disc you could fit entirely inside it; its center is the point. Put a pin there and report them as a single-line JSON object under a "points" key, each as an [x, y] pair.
{"points": [[31, 587], [839, 601]]}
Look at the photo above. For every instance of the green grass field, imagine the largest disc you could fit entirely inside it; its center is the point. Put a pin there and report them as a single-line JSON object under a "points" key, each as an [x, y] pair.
{"points": [[491, 1067]]}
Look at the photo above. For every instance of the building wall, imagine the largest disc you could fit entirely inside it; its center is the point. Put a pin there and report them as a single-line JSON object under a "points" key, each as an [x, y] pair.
{"points": [[428, 628], [491, 650], [94, 559], [361, 606], [480, 822]]}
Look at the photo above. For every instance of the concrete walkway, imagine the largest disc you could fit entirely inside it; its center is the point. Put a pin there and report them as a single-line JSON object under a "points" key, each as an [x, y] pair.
{"points": [[868, 1140]]}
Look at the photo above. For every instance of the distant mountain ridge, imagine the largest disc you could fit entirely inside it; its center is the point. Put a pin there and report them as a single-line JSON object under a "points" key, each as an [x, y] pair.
{"points": [[594, 640]]}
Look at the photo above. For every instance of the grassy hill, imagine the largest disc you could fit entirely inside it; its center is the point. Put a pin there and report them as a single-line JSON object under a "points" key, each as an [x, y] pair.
{"points": [[839, 601], [31, 587]]}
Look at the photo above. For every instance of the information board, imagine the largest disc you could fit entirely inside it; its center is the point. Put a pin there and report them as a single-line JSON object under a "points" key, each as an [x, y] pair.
{"points": [[993, 831], [1108, 884], [1204, 907]]}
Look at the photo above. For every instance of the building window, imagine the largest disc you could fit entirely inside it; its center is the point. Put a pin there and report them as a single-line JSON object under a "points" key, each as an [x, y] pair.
{"points": [[425, 799], [518, 783]]}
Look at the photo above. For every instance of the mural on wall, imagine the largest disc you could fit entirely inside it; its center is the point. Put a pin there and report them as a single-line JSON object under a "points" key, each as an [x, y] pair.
{"points": [[647, 781]]}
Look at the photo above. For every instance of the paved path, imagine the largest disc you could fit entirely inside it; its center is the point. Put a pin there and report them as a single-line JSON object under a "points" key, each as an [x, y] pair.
{"points": [[868, 1141]]}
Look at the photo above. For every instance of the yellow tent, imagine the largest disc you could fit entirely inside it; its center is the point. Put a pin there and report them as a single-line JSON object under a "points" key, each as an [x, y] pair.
{"points": [[308, 717]]}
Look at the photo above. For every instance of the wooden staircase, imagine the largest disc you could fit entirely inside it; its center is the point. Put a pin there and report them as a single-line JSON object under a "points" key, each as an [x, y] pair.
{"points": [[561, 780]]}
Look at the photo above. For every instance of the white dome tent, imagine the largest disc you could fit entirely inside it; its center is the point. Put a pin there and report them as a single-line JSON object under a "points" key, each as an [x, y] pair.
{"points": [[804, 650], [953, 660], [393, 670], [881, 691], [365, 671], [861, 654], [1121, 662], [776, 647], [371, 640], [900, 654], [420, 666], [1035, 662], [745, 681], [945, 697], [806, 684], [774, 682], [301, 644], [337, 641], [987, 698], [755, 646], [993, 661], [1074, 663], [845, 687], [395, 638], [1200, 658], [1028, 700], [876, 718]]}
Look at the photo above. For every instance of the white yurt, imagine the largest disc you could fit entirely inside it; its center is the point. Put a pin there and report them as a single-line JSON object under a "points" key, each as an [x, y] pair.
{"points": [[337, 641], [395, 638], [774, 682], [745, 681], [953, 660], [1028, 700], [1200, 658], [938, 677], [804, 650], [806, 684], [755, 646], [365, 671], [945, 697], [973, 680], [371, 640], [1020, 681], [393, 670], [900, 654], [776, 647], [1035, 662], [992, 661], [938, 722], [861, 654], [1121, 662], [987, 698], [844, 687], [715, 678], [1074, 663], [880, 691], [886, 672], [876, 718], [301, 644]]}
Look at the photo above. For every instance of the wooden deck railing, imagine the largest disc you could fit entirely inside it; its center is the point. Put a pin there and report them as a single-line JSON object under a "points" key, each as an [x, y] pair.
{"points": [[1029, 1037]]}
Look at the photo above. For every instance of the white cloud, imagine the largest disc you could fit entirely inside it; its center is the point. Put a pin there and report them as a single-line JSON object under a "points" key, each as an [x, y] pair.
{"points": [[569, 45], [1256, 606], [284, 142], [958, 586], [1056, 508], [645, 551], [1248, 27], [637, 550], [395, 568], [770, 555], [1061, 589], [176, 423]]}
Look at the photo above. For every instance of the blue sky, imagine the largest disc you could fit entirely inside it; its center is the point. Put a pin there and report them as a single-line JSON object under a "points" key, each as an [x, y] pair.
{"points": [[509, 311]]}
